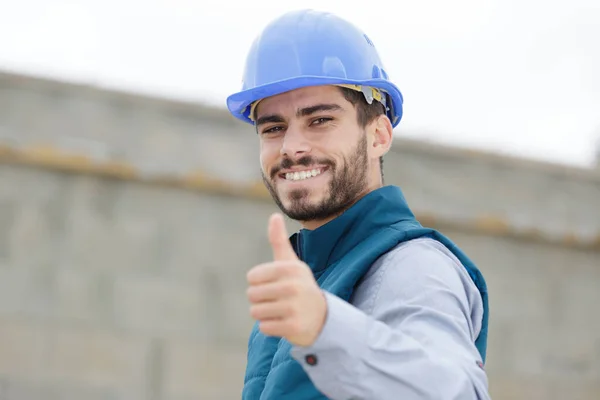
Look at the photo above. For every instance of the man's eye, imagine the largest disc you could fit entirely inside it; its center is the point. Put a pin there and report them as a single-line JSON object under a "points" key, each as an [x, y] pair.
{"points": [[320, 121], [273, 129]]}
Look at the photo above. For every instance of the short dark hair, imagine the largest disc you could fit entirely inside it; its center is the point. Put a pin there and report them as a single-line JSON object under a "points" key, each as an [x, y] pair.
{"points": [[365, 112]]}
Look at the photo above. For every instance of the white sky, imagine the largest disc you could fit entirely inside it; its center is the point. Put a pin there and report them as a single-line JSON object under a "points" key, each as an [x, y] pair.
{"points": [[513, 76]]}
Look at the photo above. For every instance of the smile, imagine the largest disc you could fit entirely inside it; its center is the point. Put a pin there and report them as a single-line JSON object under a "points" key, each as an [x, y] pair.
{"points": [[302, 175]]}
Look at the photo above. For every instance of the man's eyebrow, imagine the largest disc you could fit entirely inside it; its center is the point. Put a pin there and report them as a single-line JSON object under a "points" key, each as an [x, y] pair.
{"points": [[304, 112], [272, 118]]}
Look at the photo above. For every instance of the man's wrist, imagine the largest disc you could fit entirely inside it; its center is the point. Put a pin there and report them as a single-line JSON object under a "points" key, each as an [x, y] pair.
{"points": [[342, 323]]}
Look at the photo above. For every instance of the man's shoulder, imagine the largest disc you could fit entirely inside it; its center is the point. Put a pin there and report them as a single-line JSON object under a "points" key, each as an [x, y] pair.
{"points": [[415, 268], [415, 252], [417, 263]]}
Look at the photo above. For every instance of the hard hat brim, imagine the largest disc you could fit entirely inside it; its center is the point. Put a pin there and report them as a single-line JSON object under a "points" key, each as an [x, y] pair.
{"points": [[239, 103]]}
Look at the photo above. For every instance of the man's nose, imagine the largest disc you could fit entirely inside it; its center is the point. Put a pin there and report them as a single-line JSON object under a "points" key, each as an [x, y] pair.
{"points": [[295, 143]]}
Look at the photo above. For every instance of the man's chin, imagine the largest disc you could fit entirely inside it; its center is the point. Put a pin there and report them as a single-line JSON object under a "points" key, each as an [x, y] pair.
{"points": [[295, 206], [300, 198]]}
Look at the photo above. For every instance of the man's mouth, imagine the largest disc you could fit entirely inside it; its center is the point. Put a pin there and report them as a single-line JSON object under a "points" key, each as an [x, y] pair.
{"points": [[302, 175]]}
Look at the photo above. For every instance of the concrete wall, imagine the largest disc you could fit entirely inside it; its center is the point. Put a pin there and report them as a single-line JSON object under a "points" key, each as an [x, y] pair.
{"points": [[127, 225]]}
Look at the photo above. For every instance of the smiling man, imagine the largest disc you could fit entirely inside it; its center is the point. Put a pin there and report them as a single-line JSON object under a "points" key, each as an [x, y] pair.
{"points": [[363, 302], [326, 172]]}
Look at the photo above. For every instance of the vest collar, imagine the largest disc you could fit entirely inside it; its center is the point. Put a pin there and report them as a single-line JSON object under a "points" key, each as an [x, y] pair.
{"points": [[376, 210]]}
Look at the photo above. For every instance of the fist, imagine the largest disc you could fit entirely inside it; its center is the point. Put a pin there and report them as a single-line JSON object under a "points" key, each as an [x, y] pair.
{"points": [[284, 297]]}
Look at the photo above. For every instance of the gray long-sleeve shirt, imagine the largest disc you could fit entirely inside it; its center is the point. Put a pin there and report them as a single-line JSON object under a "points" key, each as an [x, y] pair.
{"points": [[408, 332]]}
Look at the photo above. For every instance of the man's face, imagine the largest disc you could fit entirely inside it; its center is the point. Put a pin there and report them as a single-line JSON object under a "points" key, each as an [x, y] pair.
{"points": [[315, 158]]}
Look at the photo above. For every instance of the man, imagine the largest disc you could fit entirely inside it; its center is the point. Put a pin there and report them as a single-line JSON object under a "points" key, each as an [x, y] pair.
{"points": [[363, 302]]}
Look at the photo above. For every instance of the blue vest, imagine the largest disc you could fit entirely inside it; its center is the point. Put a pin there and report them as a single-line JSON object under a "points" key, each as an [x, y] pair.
{"points": [[339, 254]]}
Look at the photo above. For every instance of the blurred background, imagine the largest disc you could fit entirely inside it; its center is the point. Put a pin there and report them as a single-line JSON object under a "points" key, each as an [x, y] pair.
{"points": [[131, 204]]}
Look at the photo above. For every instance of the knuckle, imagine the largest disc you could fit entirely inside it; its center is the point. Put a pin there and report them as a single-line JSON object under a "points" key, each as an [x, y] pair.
{"points": [[251, 294], [290, 268], [287, 268], [265, 328], [254, 274], [268, 328], [259, 273], [291, 309], [296, 269], [291, 288], [293, 326], [255, 312]]}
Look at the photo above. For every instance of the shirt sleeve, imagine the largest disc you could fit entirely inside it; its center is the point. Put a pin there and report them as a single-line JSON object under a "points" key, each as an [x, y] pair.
{"points": [[416, 342]]}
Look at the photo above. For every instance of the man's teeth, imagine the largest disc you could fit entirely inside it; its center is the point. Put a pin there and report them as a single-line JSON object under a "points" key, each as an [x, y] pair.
{"points": [[297, 176]]}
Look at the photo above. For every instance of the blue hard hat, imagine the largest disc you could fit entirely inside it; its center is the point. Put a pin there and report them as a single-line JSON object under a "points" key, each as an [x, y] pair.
{"points": [[310, 48]]}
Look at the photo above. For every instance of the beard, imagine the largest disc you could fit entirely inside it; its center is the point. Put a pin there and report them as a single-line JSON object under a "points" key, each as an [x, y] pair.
{"points": [[348, 183]]}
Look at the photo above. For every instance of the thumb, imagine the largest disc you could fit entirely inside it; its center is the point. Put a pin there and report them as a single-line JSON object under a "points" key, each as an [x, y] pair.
{"points": [[278, 237]]}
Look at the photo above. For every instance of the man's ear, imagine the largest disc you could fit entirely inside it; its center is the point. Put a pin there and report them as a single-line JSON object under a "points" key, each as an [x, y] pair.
{"points": [[383, 134]]}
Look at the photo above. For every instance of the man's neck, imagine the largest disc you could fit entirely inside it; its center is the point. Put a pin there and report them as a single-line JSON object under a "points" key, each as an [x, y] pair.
{"points": [[315, 224]]}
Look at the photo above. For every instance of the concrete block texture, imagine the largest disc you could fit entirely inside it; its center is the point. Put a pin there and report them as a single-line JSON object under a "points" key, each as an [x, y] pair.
{"points": [[127, 226], [36, 358]]}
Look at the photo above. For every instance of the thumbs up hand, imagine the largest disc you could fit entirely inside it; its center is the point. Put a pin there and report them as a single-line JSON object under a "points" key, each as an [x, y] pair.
{"points": [[284, 296]]}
